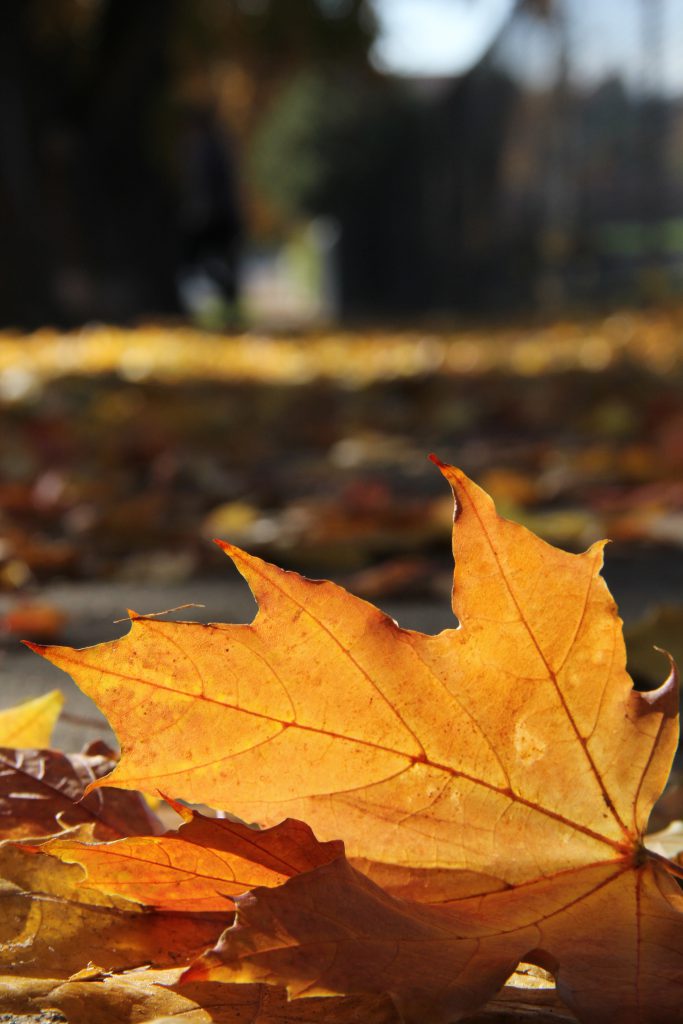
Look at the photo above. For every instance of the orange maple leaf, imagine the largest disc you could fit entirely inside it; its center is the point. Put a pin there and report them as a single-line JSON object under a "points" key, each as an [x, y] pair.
{"points": [[504, 770], [199, 867]]}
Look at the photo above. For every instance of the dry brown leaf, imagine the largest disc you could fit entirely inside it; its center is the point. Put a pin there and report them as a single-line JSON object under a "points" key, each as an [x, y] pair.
{"points": [[614, 932], [51, 927], [41, 792], [153, 996], [30, 619]]}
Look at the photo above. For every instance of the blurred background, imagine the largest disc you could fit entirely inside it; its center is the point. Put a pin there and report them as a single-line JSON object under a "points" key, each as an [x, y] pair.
{"points": [[258, 258], [259, 162]]}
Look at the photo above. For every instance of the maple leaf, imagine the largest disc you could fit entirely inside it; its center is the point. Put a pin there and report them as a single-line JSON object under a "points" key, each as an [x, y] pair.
{"points": [[201, 866], [611, 935], [41, 792], [30, 724], [51, 925], [504, 770]]}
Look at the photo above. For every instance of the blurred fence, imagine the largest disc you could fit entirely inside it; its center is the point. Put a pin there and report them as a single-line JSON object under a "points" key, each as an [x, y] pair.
{"points": [[557, 169], [151, 166]]}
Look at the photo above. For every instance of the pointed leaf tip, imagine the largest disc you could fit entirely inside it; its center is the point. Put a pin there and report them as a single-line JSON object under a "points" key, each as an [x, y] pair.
{"points": [[437, 461], [182, 810], [38, 648], [227, 548], [453, 474], [241, 559]]}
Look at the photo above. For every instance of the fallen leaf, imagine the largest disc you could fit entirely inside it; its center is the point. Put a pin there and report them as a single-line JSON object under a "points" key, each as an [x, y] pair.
{"points": [[513, 748], [41, 792], [412, 729], [611, 934], [47, 935], [510, 487], [201, 866], [154, 996], [397, 577], [30, 724], [43, 621], [50, 926]]}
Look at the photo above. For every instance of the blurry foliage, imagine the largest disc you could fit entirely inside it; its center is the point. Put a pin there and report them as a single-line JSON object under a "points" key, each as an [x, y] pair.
{"points": [[275, 36], [351, 147], [100, 103], [144, 141], [328, 129], [123, 452], [287, 159]]}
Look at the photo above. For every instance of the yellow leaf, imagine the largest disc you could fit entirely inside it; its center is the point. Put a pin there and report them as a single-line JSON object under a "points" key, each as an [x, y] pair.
{"points": [[31, 724]]}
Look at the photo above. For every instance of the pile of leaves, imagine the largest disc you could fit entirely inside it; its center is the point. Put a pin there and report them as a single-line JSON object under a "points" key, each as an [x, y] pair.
{"points": [[478, 800]]}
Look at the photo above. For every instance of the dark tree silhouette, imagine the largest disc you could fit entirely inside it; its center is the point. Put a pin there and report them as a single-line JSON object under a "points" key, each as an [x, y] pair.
{"points": [[94, 125]]}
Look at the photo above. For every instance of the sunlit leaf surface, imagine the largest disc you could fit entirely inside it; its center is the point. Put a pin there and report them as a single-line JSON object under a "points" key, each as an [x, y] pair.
{"points": [[496, 779]]}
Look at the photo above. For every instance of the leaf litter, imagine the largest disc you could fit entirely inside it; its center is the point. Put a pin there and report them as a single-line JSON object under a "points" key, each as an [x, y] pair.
{"points": [[491, 784]]}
